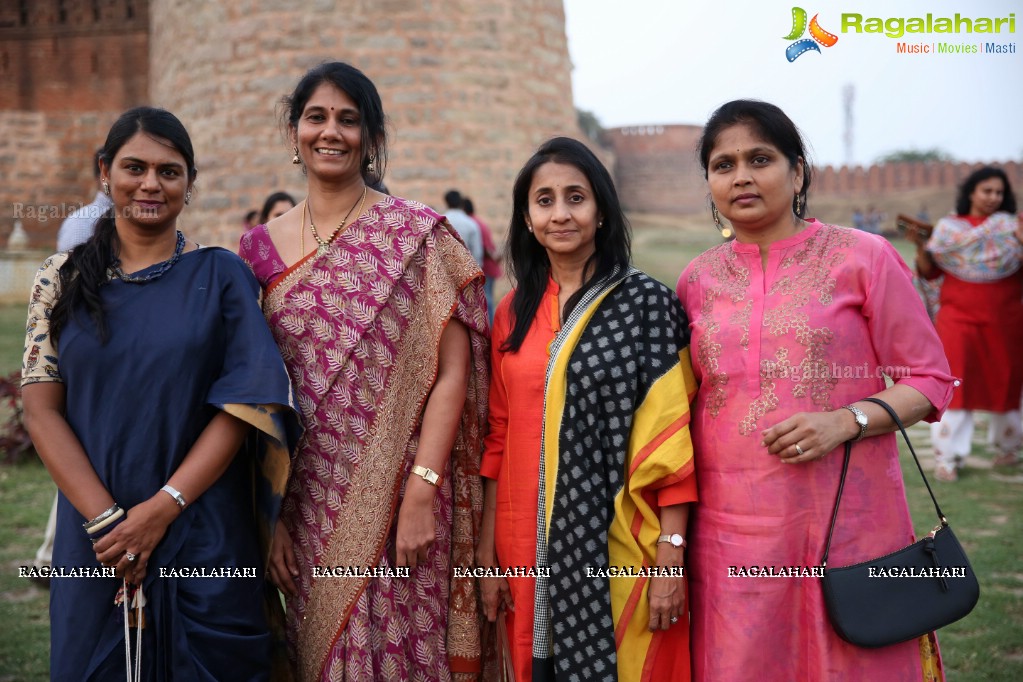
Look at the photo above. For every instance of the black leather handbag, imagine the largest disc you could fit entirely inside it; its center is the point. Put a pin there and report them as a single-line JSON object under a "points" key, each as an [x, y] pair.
{"points": [[905, 594]]}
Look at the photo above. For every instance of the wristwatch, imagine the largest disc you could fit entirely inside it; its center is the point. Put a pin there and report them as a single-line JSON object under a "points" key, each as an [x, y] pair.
{"points": [[675, 540], [428, 475], [861, 420]]}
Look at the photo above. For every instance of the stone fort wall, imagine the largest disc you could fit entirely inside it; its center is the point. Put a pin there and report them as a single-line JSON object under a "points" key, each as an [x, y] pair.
{"points": [[470, 89], [657, 171], [67, 68]]}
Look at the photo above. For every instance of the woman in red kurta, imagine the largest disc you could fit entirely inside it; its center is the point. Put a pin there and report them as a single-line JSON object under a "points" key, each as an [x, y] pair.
{"points": [[588, 456], [977, 255]]}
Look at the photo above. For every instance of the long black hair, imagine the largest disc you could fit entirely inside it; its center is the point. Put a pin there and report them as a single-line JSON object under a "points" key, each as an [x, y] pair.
{"points": [[963, 202], [773, 126], [85, 270], [360, 88], [271, 201], [528, 260]]}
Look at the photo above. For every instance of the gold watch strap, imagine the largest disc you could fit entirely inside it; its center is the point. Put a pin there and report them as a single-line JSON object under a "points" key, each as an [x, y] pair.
{"points": [[428, 475]]}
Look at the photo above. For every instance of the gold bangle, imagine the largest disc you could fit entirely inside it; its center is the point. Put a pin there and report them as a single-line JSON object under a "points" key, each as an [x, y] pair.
{"points": [[97, 527], [88, 525]]}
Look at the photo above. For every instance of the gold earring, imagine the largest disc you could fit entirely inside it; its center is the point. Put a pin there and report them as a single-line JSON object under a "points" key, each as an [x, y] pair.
{"points": [[106, 188], [295, 159], [369, 165], [188, 197], [726, 232], [799, 204]]}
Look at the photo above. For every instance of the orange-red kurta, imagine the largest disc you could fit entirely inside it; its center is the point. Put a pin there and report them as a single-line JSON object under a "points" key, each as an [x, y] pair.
{"points": [[512, 457]]}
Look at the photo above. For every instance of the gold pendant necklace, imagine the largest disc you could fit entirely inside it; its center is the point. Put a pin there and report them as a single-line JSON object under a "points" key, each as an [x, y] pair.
{"points": [[324, 245]]}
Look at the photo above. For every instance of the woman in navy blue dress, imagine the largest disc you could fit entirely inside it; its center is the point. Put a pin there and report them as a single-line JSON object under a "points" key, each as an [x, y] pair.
{"points": [[147, 364]]}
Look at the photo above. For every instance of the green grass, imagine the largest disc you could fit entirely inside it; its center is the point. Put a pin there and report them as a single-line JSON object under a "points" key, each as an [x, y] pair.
{"points": [[12, 336], [984, 509], [26, 493]]}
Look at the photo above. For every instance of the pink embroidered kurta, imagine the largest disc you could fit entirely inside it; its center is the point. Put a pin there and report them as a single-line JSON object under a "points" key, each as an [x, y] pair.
{"points": [[813, 331]]}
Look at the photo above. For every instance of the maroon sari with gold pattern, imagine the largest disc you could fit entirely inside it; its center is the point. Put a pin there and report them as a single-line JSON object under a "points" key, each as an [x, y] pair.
{"points": [[359, 329]]}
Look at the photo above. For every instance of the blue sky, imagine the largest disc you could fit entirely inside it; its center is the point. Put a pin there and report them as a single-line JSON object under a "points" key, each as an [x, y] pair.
{"points": [[674, 61]]}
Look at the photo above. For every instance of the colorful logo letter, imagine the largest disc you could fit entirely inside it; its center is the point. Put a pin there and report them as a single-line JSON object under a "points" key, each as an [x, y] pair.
{"points": [[818, 34]]}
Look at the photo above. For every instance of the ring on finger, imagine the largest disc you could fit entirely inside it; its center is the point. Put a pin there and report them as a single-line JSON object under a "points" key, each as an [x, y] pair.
{"points": [[674, 619], [129, 556], [799, 450]]}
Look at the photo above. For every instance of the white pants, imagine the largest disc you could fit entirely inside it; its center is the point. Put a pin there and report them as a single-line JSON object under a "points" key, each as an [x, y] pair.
{"points": [[44, 555], [952, 435]]}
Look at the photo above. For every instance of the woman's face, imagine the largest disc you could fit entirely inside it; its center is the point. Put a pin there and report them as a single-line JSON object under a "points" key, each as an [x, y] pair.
{"points": [[563, 211], [329, 134], [751, 181], [148, 180], [987, 197], [279, 209]]}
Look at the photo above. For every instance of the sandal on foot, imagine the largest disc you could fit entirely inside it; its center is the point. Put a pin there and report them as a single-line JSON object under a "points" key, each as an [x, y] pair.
{"points": [[947, 474]]}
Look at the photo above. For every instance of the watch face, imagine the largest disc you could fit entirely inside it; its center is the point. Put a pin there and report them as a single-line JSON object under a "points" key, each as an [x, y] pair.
{"points": [[677, 540], [861, 419]]}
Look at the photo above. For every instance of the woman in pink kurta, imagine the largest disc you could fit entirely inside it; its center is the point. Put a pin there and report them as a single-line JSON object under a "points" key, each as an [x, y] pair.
{"points": [[792, 322]]}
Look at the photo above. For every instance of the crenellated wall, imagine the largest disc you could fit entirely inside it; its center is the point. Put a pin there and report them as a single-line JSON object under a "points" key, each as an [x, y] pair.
{"points": [[895, 177], [657, 171]]}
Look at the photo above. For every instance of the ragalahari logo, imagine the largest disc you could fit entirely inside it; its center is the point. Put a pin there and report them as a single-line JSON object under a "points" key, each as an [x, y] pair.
{"points": [[818, 35]]}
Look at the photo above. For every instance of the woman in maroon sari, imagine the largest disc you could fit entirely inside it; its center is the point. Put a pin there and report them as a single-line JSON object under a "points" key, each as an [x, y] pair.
{"points": [[379, 313]]}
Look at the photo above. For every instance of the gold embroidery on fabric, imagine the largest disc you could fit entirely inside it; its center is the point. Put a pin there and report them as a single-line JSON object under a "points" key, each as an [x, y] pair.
{"points": [[803, 276], [732, 281]]}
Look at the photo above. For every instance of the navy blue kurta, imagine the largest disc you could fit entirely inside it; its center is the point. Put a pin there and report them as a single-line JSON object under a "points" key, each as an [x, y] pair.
{"points": [[178, 348]]}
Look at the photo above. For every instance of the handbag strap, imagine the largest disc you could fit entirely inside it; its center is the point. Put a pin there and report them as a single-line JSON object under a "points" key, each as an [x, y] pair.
{"points": [[845, 470]]}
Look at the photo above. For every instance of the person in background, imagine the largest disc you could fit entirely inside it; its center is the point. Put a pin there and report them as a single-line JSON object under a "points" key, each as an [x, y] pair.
{"points": [[250, 220], [491, 258], [588, 462], [858, 219], [147, 361], [465, 226], [974, 257], [792, 324], [277, 204], [79, 226], [379, 312]]}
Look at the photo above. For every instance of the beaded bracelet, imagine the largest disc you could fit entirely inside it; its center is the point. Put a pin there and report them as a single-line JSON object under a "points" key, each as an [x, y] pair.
{"points": [[88, 525]]}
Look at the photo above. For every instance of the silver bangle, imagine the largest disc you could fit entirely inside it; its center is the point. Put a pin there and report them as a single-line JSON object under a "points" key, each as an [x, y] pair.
{"points": [[178, 498], [102, 517]]}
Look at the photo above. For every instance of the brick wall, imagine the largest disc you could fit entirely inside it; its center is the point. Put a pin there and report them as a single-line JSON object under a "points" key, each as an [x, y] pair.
{"points": [[657, 171], [895, 177], [470, 89], [73, 55], [67, 68], [46, 168]]}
